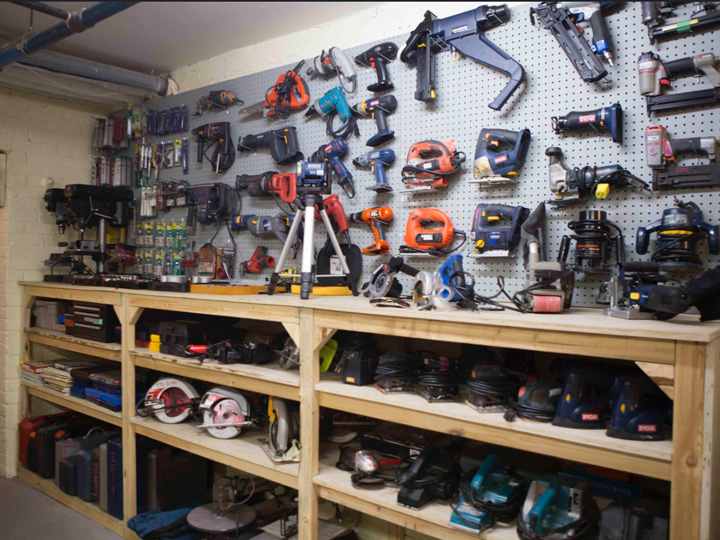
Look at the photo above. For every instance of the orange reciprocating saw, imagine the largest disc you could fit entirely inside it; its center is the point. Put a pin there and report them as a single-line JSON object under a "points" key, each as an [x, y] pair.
{"points": [[429, 231], [378, 219], [430, 162]]}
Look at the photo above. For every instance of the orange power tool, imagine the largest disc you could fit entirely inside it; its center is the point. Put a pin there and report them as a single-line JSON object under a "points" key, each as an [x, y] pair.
{"points": [[429, 164], [289, 93], [429, 231], [378, 219]]}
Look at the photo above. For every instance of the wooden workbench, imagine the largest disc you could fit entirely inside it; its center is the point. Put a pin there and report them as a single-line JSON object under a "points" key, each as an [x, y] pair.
{"points": [[681, 355]]}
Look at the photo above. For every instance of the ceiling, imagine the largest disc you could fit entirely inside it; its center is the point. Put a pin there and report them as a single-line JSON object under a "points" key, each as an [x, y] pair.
{"points": [[164, 36]]}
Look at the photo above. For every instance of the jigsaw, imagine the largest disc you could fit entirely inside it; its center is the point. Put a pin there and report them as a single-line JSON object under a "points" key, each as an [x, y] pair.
{"points": [[429, 164], [500, 155], [430, 233], [496, 229]]}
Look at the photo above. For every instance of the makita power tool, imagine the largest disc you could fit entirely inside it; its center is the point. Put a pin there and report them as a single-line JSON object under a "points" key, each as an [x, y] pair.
{"points": [[500, 155], [662, 152], [496, 229], [429, 164], [604, 120]]}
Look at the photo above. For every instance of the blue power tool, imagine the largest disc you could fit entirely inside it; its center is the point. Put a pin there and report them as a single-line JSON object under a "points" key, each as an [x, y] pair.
{"points": [[585, 400], [604, 120], [491, 494], [639, 411], [331, 153], [500, 155], [377, 160], [496, 229], [557, 506], [333, 100], [453, 275]]}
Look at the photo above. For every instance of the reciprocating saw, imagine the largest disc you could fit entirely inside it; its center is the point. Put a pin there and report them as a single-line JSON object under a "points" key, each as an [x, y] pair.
{"points": [[269, 184], [283, 144], [463, 33]]}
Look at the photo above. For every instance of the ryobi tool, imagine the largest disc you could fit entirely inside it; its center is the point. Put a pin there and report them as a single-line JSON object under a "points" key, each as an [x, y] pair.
{"points": [[377, 160], [335, 62], [585, 399], [225, 412], [678, 232], [331, 153], [661, 153], [217, 100], [594, 238], [487, 495], [639, 411], [429, 164], [378, 108], [550, 285], [605, 120], [282, 143], [500, 155], [283, 442], [383, 281], [171, 400], [378, 219], [653, 75], [496, 229], [463, 33], [562, 19], [558, 507], [217, 136], [430, 233], [654, 15], [288, 94], [569, 185], [378, 57]]}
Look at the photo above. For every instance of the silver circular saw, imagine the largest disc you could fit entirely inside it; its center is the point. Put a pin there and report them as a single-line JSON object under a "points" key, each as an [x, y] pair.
{"points": [[225, 412]]}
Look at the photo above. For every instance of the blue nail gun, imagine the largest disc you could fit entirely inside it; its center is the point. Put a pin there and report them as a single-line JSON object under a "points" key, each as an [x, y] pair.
{"points": [[557, 507], [492, 495], [500, 155], [491, 235]]}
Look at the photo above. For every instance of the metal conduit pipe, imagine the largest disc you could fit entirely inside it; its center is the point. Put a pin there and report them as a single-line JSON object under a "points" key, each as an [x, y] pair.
{"points": [[46, 9]]}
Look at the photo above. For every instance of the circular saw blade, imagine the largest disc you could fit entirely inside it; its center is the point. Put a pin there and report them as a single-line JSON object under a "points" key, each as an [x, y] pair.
{"points": [[171, 413], [227, 417]]}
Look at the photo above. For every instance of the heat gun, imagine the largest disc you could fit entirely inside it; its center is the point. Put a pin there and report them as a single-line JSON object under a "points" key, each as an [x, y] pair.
{"points": [[377, 160], [217, 136], [604, 120], [500, 155], [378, 219], [331, 153], [283, 144], [496, 229], [378, 57], [378, 108]]}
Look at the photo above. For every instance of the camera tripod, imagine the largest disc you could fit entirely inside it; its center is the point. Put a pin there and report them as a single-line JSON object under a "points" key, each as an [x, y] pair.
{"points": [[306, 274]]}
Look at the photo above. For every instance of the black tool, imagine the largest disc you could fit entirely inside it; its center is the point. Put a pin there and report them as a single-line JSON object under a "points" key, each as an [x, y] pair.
{"points": [[568, 185], [562, 22], [217, 100], [639, 411], [679, 231], [537, 401], [378, 57], [653, 75], [283, 144], [595, 236], [431, 475], [500, 155], [214, 202], [654, 15], [496, 229], [383, 281], [217, 136], [378, 108], [463, 33], [604, 120]]}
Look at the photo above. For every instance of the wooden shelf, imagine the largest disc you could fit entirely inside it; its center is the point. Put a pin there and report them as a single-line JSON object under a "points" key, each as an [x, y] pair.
{"points": [[243, 452], [108, 351], [83, 293], [90, 510], [433, 519], [73, 403], [648, 458], [269, 379]]}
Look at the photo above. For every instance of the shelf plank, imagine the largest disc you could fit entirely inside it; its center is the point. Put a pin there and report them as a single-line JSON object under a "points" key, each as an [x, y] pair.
{"points": [[73, 403], [647, 458], [243, 452], [269, 379], [433, 519], [61, 291], [90, 510], [108, 351]]}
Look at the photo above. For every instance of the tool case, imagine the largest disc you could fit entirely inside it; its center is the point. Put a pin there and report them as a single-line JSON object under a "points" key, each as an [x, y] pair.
{"points": [[176, 335], [73, 446], [29, 425], [67, 475], [94, 321], [87, 475]]}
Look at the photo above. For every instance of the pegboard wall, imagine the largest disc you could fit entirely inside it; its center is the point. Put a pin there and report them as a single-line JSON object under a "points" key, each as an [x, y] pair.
{"points": [[465, 88]]}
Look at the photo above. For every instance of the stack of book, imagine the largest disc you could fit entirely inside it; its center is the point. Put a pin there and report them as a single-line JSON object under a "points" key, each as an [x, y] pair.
{"points": [[59, 377], [32, 372]]}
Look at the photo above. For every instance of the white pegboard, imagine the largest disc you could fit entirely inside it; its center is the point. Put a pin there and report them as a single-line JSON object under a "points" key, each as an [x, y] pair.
{"points": [[465, 88]]}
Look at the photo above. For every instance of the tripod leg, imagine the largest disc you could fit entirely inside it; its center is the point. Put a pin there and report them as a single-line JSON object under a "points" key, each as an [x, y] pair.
{"points": [[306, 274], [289, 243], [338, 251]]}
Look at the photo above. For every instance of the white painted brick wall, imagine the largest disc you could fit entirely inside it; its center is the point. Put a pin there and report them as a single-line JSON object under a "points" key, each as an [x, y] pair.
{"points": [[43, 137]]}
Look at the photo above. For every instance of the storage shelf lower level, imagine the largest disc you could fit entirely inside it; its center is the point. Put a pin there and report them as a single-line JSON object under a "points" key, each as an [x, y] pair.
{"points": [[76, 404]]}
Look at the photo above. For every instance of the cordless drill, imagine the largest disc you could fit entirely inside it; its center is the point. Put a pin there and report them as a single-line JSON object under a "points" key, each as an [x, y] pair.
{"points": [[379, 57], [378, 219], [331, 153], [378, 108], [283, 144], [377, 160], [216, 135]]}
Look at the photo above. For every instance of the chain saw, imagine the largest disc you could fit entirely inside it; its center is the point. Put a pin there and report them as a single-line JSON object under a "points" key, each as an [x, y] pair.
{"points": [[496, 229], [283, 442], [429, 164], [225, 412], [171, 400], [499, 156], [429, 233], [217, 100]]}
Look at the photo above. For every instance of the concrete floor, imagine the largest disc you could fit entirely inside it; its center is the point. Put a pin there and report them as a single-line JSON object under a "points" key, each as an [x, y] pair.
{"points": [[26, 513]]}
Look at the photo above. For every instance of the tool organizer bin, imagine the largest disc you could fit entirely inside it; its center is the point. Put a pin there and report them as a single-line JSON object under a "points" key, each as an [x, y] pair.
{"points": [[681, 355]]}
